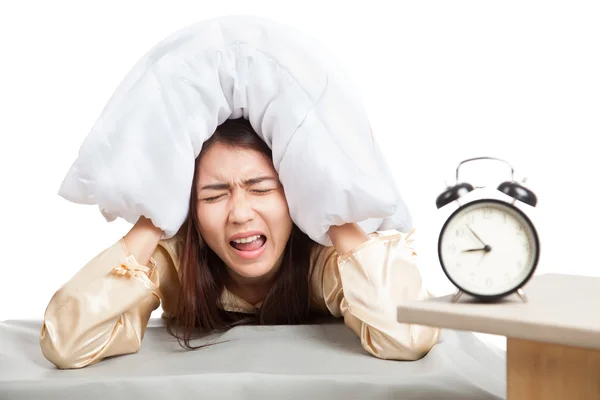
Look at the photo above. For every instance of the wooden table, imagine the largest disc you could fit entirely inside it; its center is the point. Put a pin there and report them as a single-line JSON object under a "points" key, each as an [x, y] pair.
{"points": [[553, 339]]}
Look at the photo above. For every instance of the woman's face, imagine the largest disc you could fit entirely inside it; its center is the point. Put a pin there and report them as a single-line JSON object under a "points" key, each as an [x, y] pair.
{"points": [[242, 211]]}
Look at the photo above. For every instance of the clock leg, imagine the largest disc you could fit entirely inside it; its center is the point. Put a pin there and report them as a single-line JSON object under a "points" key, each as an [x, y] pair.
{"points": [[456, 296], [537, 371], [522, 295]]}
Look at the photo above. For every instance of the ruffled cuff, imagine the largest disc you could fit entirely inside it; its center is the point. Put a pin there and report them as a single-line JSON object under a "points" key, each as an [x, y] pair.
{"points": [[129, 266], [375, 237]]}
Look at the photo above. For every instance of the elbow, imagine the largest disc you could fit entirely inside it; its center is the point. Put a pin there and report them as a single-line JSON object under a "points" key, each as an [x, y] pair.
{"points": [[58, 335], [55, 342], [411, 345], [56, 352], [72, 344], [67, 339]]}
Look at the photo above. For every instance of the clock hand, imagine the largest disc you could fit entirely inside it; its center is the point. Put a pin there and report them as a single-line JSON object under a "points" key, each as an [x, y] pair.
{"points": [[481, 259], [487, 249], [478, 238]]}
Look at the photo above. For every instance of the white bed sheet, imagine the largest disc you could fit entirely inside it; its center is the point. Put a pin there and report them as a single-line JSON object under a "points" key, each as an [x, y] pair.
{"points": [[324, 361]]}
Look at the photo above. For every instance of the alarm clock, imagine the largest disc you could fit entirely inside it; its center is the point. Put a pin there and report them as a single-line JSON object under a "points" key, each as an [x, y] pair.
{"points": [[488, 248]]}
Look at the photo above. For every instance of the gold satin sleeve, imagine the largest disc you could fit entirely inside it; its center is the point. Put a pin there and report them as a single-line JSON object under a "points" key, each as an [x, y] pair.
{"points": [[366, 286], [103, 310]]}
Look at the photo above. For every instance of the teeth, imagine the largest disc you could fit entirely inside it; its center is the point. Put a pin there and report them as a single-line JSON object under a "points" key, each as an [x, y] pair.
{"points": [[247, 240]]}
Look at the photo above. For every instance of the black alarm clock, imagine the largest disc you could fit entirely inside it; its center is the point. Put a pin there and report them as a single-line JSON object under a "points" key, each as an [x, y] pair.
{"points": [[488, 248]]}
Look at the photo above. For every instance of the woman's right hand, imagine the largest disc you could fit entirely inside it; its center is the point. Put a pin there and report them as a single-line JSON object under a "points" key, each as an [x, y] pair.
{"points": [[142, 239]]}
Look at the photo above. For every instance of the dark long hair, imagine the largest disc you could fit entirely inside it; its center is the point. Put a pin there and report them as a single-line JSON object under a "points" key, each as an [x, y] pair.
{"points": [[203, 274]]}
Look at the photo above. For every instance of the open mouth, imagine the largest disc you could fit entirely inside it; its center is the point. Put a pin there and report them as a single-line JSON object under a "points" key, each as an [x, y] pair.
{"points": [[249, 248]]}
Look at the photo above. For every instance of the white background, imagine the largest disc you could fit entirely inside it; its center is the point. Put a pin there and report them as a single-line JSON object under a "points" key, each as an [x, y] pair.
{"points": [[442, 81]]}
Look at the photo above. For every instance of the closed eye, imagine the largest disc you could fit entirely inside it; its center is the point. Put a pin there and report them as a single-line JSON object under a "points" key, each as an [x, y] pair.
{"points": [[215, 198], [209, 199]]}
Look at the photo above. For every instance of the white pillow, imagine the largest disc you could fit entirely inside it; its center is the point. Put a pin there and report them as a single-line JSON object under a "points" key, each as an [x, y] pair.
{"points": [[139, 157]]}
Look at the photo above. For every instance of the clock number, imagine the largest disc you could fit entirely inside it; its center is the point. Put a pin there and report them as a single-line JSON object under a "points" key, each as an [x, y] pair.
{"points": [[489, 282], [520, 230], [526, 247], [471, 217], [460, 232], [487, 213]]}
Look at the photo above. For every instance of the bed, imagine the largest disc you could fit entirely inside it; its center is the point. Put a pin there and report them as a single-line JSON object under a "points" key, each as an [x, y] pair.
{"points": [[323, 361]]}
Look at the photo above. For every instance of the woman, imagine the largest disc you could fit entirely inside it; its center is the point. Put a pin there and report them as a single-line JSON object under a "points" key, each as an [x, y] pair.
{"points": [[238, 259]]}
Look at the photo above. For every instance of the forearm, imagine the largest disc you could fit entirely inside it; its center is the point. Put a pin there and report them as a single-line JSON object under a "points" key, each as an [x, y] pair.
{"points": [[104, 308], [142, 239], [81, 319], [376, 279], [347, 237]]}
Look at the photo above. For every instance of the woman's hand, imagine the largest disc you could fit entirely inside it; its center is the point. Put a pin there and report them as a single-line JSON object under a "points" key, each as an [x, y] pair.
{"points": [[346, 237], [142, 239]]}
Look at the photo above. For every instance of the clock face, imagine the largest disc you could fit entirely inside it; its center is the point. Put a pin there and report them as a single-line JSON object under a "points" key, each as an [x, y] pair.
{"points": [[488, 248]]}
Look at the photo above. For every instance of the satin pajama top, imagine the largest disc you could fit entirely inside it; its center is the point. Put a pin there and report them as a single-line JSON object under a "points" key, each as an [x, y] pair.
{"points": [[104, 308]]}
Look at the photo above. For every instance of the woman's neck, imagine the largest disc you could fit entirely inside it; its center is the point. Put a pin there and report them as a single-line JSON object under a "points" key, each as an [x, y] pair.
{"points": [[253, 290], [253, 293]]}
